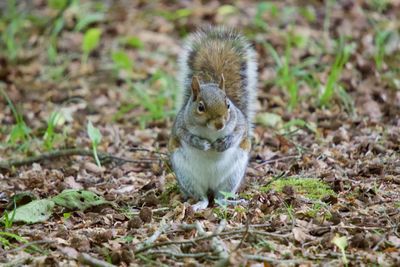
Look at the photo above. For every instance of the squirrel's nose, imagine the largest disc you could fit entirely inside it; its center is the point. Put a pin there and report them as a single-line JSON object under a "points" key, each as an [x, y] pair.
{"points": [[219, 126]]}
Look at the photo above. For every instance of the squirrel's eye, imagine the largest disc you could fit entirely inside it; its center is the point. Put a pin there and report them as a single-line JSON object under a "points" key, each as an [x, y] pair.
{"points": [[228, 105], [201, 107]]}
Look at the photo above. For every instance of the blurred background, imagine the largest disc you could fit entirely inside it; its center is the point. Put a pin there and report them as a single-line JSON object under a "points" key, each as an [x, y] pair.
{"points": [[65, 61], [101, 76]]}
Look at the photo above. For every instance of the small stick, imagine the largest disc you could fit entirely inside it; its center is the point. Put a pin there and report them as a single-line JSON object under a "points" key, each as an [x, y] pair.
{"points": [[85, 258], [219, 246], [26, 245], [8, 164], [276, 160], [147, 150], [154, 236], [205, 236], [273, 260], [182, 255]]}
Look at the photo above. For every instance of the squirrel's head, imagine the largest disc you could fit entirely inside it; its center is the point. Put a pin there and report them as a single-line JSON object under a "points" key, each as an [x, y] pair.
{"points": [[210, 107]]}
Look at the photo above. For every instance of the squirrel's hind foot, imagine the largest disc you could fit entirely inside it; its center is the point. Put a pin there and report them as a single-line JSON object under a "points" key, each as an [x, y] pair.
{"points": [[229, 202], [201, 205]]}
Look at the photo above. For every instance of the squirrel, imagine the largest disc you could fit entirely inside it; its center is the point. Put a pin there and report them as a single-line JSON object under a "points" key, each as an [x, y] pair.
{"points": [[210, 141]]}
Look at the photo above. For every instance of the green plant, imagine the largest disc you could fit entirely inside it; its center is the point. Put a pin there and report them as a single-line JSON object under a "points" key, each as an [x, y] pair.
{"points": [[9, 220], [153, 102], [5, 236], [381, 38], [12, 30], [309, 187], [309, 13], [299, 123], [56, 27], [132, 41], [346, 100], [290, 212], [266, 245], [50, 136], [285, 76], [223, 203], [67, 215], [379, 5], [341, 59], [95, 136], [20, 132], [91, 40], [262, 8], [341, 243], [88, 19], [122, 61]]}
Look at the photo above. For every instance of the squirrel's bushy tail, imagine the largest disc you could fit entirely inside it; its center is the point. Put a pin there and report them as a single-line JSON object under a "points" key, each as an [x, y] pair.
{"points": [[213, 51]]}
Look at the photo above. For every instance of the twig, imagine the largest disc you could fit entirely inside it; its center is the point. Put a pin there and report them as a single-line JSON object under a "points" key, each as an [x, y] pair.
{"points": [[205, 236], [8, 164], [26, 245], [276, 160], [219, 246], [245, 233], [182, 255], [147, 150], [18, 261], [163, 227], [273, 260], [200, 229], [85, 258]]}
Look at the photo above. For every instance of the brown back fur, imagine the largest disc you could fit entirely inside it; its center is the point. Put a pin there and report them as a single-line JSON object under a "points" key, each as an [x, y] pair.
{"points": [[218, 51]]}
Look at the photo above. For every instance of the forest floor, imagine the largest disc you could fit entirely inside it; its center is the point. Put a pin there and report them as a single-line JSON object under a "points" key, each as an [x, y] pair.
{"points": [[323, 182]]}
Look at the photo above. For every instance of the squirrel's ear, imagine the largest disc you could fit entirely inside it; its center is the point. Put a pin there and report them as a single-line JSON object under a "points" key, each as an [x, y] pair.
{"points": [[222, 82], [195, 87]]}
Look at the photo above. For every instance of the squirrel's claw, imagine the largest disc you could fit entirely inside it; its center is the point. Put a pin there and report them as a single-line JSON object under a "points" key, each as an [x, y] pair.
{"points": [[223, 143], [200, 143]]}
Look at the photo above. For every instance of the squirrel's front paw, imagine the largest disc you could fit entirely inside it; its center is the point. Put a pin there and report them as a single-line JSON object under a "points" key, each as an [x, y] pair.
{"points": [[200, 143], [223, 143]]}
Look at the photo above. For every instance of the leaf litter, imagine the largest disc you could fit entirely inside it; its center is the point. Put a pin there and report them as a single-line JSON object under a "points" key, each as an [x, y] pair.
{"points": [[350, 147]]}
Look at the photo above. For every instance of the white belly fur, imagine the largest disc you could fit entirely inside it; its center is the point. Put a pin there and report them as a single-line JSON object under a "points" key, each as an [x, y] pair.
{"points": [[209, 170]]}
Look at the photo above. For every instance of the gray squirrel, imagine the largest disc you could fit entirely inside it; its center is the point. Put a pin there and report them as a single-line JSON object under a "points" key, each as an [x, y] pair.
{"points": [[210, 140]]}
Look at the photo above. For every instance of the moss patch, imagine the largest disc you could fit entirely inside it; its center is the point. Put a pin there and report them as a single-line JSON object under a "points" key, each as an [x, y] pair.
{"points": [[308, 187]]}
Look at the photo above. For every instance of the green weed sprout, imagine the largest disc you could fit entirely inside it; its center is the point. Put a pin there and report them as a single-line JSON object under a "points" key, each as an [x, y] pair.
{"points": [[50, 135], [20, 131], [341, 59], [122, 61], [14, 21], [95, 136], [380, 41], [285, 75], [223, 203], [90, 42], [9, 220]]}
